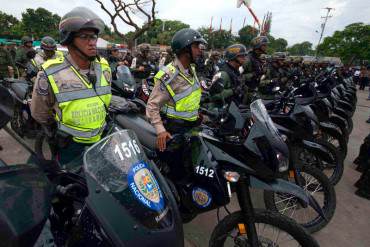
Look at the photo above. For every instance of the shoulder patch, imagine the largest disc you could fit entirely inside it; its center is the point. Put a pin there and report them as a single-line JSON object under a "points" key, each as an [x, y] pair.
{"points": [[42, 85]]}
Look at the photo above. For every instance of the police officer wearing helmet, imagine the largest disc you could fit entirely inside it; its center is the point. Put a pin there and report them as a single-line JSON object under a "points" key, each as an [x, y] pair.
{"points": [[49, 50], [73, 92], [177, 91], [141, 64], [226, 84], [253, 68]]}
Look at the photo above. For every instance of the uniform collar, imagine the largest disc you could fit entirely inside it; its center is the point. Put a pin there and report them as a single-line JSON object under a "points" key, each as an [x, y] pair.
{"points": [[73, 63], [178, 64]]}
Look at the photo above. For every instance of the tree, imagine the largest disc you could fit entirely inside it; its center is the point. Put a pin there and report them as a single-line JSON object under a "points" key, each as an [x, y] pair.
{"points": [[353, 41], [125, 11], [278, 44], [246, 34], [39, 23], [301, 49], [7, 23], [217, 39], [162, 32]]}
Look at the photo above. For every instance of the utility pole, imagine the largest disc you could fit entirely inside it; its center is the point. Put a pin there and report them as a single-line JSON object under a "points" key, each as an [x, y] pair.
{"points": [[323, 25]]}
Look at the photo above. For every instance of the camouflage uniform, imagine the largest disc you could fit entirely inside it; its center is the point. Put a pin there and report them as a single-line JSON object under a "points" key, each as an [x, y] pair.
{"points": [[230, 78], [5, 62]]}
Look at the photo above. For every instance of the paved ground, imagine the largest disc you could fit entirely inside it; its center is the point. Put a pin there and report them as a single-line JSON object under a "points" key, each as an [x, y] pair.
{"points": [[349, 227]]}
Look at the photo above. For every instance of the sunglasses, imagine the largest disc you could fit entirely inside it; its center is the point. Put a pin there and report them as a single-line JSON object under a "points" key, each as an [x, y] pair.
{"points": [[85, 36]]}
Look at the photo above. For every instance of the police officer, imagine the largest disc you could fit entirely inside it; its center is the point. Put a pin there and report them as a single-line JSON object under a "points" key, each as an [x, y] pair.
{"points": [[114, 60], [177, 90], [74, 91], [228, 78], [141, 64], [49, 50], [6, 63], [253, 68], [212, 64]]}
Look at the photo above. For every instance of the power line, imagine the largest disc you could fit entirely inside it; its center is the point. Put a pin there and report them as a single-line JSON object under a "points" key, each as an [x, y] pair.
{"points": [[323, 25]]}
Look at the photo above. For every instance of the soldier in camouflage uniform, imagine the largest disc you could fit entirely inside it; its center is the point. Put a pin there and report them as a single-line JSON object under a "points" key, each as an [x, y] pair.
{"points": [[227, 85], [276, 75], [253, 67], [212, 64], [141, 64], [6, 62], [21, 58]]}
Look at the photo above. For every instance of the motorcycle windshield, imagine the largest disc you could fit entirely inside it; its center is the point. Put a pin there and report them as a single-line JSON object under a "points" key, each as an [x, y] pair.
{"points": [[119, 165], [264, 127], [124, 75]]}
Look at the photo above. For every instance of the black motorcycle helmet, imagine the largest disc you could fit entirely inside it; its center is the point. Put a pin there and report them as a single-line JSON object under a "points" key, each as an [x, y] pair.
{"points": [[48, 43], [183, 39], [77, 19], [233, 51]]}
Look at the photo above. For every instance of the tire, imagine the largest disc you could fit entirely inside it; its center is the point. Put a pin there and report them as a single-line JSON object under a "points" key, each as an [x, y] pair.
{"points": [[334, 171], [328, 204], [230, 222], [338, 142], [350, 125]]}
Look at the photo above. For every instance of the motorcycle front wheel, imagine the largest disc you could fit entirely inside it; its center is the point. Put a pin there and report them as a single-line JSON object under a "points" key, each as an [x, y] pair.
{"points": [[273, 229], [315, 183]]}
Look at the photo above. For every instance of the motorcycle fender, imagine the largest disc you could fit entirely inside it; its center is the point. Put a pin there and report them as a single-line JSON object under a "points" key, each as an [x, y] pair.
{"points": [[340, 121], [331, 129], [319, 150], [280, 185], [139, 102]]}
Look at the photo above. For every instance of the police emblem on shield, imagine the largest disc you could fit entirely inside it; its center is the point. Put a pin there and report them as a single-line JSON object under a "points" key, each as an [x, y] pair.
{"points": [[144, 186], [201, 197]]}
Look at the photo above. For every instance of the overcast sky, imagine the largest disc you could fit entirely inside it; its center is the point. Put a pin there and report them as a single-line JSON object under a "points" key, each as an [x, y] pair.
{"points": [[293, 20]]}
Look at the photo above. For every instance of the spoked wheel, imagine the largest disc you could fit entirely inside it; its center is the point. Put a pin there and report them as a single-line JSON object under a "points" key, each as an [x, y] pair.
{"points": [[315, 183], [339, 143], [272, 230], [332, 170]]}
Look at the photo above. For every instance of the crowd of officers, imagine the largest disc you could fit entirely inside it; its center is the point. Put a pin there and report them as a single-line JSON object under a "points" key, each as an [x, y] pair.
{"points": [[71, 93]]}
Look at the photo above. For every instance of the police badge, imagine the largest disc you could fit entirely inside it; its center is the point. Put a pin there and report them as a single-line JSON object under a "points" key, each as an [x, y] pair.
{"points": [[144, 186]]}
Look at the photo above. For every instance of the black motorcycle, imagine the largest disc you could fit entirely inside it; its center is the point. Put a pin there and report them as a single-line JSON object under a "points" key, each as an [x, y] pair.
{"points": [[218, 167], [119, 199], [21, 90]]}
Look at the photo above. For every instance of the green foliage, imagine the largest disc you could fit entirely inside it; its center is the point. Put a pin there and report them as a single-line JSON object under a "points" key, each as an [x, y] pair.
{"points": [[40, 22], [217, 39], [301, 49], [353, 41], [246, 34], [7, 25], [161, 33]]}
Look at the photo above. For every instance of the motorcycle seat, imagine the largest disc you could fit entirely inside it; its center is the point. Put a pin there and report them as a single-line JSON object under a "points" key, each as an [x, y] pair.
{"points": [[20, 89], [143, 129]]}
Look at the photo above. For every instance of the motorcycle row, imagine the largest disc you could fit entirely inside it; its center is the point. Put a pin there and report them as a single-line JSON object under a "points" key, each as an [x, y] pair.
{"points": [[124, 194]]}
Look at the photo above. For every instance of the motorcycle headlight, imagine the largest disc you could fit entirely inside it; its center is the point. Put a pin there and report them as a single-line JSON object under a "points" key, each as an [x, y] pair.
{"points": [[283, 162], [315, 127]]}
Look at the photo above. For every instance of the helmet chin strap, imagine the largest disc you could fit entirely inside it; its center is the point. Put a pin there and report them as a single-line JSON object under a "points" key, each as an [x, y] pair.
{"points": [[90, 58]]}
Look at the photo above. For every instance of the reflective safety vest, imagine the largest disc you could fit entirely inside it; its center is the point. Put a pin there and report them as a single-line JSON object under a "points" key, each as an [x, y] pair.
{"points": [[187, 102], [81, 112]]}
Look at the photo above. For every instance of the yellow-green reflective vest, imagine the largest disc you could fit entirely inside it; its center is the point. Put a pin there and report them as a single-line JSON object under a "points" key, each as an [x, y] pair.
{"points": [[82, 112], [187, 102]]}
